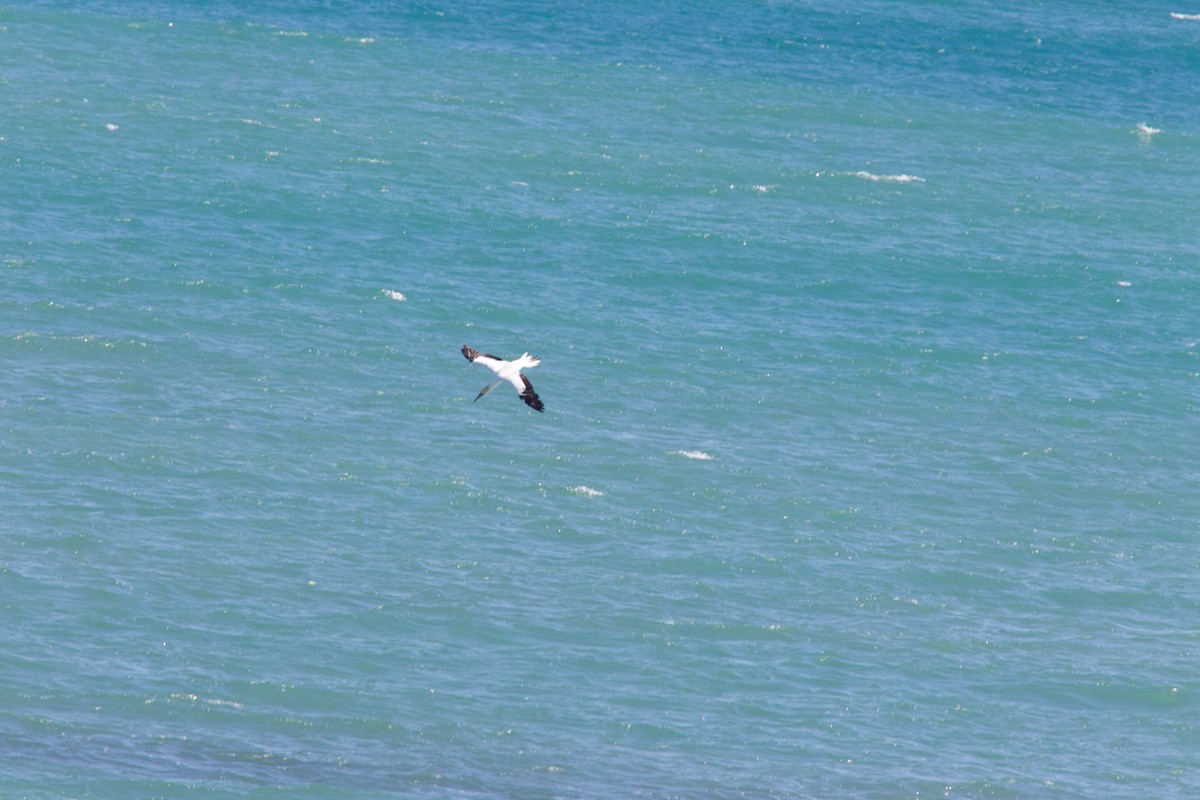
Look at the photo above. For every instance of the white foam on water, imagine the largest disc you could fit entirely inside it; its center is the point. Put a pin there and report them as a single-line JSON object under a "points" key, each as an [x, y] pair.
{"points": [[586, 491], [397, 296], [218, 702], [904, 178], [699, 455], [188, 697], [1177, 15], [1144, 131]]}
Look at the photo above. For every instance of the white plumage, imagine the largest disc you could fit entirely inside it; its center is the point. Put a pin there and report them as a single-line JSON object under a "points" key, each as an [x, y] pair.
{"points": [[508, 371]]}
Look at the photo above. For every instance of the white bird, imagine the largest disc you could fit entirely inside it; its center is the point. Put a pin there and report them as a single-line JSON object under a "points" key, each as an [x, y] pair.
{"points": [[508, 371]]}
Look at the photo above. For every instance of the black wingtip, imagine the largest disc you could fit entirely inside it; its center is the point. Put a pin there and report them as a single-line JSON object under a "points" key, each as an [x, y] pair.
{"points": [[530, 396], [532, 400]]}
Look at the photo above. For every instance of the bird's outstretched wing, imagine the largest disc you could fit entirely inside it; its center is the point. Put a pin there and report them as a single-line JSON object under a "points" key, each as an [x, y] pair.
{"points": [[530, 396], [472, 355]]}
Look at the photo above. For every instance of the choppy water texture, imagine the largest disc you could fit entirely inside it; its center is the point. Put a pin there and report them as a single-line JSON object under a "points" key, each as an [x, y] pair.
{"points": [[869, 354]]}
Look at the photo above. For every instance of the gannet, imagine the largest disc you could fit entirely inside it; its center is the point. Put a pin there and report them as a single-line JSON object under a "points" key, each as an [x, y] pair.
{"points": [[508, 371]]}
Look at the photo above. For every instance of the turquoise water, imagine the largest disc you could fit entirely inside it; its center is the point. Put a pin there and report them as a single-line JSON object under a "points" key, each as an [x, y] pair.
{"points": [[869, 353]]}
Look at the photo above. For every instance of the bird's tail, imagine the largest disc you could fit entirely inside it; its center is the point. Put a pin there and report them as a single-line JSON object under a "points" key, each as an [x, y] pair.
{"points": [[527, 361]]}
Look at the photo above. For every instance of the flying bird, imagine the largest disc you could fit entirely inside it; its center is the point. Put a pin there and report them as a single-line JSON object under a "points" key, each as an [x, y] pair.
{"points": [[508, 371]]}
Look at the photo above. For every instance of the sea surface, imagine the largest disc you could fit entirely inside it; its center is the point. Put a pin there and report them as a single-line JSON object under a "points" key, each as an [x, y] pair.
{"points": [[870, 462]]}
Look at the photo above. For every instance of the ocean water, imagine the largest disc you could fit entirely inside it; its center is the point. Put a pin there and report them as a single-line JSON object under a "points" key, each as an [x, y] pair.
{"points": [[868, 467]]}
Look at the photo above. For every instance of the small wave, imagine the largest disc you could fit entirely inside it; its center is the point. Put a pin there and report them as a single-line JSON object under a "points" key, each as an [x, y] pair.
{"points": [[1145, 131], [111, 127], [1177, 15], [187, 697], [91, 341], [213, 701], [586, 491], [397, 296], [699, 455], [868, 176], [190, 698]]}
